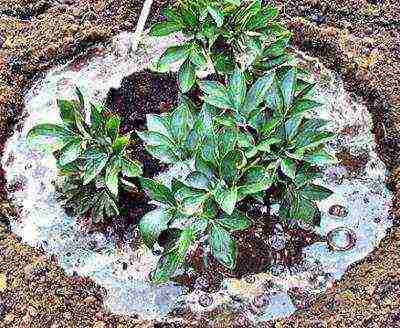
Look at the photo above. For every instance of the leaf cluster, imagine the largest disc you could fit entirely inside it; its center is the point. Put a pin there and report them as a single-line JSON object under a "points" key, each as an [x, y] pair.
{"points": [[92, 156], [222, 33], [244, 141]]}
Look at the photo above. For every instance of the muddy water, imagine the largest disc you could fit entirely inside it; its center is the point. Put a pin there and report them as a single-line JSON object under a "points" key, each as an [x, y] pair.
{"points": [[354, 219]]}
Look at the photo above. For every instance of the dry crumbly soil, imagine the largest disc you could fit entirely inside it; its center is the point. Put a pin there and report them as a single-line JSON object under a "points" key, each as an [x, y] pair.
{"points": [[360, 39]]}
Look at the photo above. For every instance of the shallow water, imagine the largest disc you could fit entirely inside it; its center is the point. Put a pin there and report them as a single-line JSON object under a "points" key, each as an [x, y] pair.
{"points": [[42, 221]]}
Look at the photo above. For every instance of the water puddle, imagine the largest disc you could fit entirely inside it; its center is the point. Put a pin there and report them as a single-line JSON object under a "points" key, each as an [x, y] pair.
{"points": [[354, 219]]}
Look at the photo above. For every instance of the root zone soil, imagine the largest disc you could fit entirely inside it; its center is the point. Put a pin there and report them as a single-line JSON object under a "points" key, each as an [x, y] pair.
{"points": [[150, 93]]}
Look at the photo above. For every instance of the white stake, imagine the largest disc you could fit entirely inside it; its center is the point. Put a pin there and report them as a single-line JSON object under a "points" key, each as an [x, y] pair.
{"points": [[140, 25]]}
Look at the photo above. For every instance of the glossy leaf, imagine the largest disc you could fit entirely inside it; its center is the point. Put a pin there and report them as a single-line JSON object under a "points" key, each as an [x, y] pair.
{"points": [[237, 221], [157, 191], [223, 246], [186, 76], [152, 224], [164, 29]]}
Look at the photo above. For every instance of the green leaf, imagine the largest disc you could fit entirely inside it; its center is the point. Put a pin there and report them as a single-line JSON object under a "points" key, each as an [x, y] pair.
{"points": [[273, 97], [210, 148], [152, 224], [315, 192], [266, 144], [165, 28], [271, 125], [197, 180], [197, 56], [257, 179], [112, 126], [186, 76], [155, 139], [96, 160], [96, 120], [288, 81], [288, 167], [230, 165], [292, 127], [174, 258], [61, 135], [157, 191], [131, 168], [172, 55], [111, 178], [158, 123], [80, 97], [237, 221], [67, 111], [227, 139], [237, 88], [223, 247], [163, 153], [309, 139], [226, 198], [304, 105], [216, 94], [217, 15], [194, 203], [70, 152], [245, 139], [181, 122], [320, 158], [257, 93], [121, 143]]}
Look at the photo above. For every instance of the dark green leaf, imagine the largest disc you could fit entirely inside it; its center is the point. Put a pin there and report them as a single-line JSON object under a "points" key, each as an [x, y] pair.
{"points": [[70, 152], [165, 28], [288, 167], [157, 191], [223, 247], [186, 76], [315, 192], [172, 55], [257, 93], [131, 168], [226, 198], [174, 258], [216, 94], [96, 160], [288, 81], [112, 126], [237, 88], [237, 221], [152, 224]]}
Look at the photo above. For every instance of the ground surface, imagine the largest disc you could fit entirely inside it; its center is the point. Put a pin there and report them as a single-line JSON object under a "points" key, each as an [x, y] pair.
{"points": [[358, 38]]}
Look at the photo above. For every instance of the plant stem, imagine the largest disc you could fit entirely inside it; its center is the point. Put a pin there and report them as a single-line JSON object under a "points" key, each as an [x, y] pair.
{"points": [[140, 25]]}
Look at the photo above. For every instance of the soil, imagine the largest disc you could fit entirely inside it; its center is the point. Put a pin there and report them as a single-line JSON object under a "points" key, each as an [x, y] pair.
{"points": [[359, 39]]}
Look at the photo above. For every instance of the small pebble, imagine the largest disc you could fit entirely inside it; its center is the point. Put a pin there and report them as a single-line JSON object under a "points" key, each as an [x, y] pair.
{"points": [[338, 210]]}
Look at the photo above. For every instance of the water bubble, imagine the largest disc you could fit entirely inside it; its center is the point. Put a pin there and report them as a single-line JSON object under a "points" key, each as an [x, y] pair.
{"points": [[262, 301], [250, 279], [201, 283], [341, 239], [205, 300], [277, 242]]}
